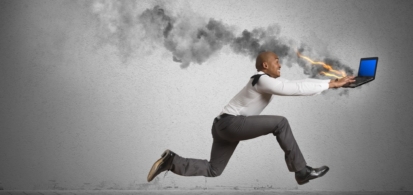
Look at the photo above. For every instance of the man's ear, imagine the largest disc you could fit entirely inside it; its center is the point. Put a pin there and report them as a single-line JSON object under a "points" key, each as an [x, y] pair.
{"points": [[265, 65]]}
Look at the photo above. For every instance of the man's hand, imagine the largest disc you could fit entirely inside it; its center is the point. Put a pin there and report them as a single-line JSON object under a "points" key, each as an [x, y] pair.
{"points": [[337, 83]]}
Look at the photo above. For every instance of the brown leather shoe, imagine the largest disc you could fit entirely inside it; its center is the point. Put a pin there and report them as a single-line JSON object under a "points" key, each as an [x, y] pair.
{"points": [[163, 164], [312, 173]]}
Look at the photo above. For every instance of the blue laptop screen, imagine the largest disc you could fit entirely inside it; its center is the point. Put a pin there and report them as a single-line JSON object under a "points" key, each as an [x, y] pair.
{"points": [[367, 67]]}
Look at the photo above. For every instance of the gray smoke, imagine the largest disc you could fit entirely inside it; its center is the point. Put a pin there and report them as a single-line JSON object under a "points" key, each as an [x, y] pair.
{"points": [[189, 41], [193, 39], [195, 42], [251, 43]]}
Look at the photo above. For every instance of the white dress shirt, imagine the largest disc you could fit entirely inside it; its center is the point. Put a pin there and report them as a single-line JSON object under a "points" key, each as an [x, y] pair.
{"points": [[252, 100]]}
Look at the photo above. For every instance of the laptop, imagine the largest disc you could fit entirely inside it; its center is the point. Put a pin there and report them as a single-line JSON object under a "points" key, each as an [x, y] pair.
{"points": [[367, 71]]}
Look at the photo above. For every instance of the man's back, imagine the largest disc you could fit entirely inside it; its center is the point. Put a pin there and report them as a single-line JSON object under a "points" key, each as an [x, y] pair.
{"points": [[249, 101]]}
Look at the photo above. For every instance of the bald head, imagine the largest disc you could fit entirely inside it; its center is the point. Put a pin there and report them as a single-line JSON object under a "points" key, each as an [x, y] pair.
{"points": [[264, 57], [268, 63]]}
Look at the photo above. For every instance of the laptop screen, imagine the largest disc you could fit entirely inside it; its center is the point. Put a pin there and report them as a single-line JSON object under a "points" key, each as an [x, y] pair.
{"points": [[367, 67]]}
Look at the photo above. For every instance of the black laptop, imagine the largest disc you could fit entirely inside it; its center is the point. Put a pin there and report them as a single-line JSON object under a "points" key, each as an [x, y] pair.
{"points": [[367, 71]]}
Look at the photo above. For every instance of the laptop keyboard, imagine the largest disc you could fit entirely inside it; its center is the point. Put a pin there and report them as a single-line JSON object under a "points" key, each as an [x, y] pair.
{"points": [[361, 79]]}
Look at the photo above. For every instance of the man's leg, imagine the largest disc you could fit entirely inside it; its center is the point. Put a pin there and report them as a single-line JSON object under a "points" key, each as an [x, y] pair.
{"points": [[221, 152], [244, 128]]}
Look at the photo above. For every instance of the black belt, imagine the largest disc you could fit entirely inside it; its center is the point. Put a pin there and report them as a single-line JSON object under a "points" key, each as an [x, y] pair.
{"points": [[223, 116]]}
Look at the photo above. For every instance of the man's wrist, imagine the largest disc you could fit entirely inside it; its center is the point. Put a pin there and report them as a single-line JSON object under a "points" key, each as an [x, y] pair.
{"points": [[333, 83]]}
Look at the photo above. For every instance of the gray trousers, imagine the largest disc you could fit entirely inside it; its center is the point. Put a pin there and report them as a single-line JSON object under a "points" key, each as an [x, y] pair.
{"points": [[228, 131]]}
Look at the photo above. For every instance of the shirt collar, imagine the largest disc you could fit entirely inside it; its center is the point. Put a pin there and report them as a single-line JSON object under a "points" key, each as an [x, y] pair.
{"points": [[263, 73]]}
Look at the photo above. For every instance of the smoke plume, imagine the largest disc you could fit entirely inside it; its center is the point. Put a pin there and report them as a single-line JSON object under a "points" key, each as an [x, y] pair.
{"points": [[192, 39]]}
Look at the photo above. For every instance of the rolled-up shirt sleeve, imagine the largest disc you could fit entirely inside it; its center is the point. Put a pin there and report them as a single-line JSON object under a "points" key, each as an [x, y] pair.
{"points": [[284, 87]]}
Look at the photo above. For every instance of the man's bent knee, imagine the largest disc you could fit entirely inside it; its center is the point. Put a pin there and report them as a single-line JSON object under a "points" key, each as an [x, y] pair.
{"points": [[215, 172], [283, 122], [281, 126]]}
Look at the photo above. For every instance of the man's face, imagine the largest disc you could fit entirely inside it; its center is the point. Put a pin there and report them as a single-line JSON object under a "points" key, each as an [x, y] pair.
{"points": [[274, 67]]}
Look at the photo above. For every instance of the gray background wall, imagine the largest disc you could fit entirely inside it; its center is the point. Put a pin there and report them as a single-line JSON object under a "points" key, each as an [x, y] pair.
{"points": [[80, 109]]}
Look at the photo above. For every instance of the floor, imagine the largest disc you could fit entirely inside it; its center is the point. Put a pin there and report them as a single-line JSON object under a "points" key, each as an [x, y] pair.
{"points": [[197, 192]]}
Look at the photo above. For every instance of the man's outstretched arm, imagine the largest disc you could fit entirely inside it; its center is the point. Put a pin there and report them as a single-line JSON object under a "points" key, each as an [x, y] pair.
{"points": [[280, 86]]}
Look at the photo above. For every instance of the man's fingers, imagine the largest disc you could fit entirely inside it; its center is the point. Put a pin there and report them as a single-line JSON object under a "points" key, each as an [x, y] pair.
{"points": [[344, 81], [348, 80], [351, 80]]}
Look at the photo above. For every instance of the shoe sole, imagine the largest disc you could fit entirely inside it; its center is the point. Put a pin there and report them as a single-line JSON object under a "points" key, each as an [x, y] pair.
{"points": [[321, 175], [156, 165]]}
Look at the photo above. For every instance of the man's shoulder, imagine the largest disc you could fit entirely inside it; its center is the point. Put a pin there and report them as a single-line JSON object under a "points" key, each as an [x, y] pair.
{"points": [[267, 77], [267, 82]]}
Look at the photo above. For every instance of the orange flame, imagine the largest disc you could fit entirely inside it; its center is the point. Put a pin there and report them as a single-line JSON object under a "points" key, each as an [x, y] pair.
{"points": [[330, 71], [330, 75]]}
